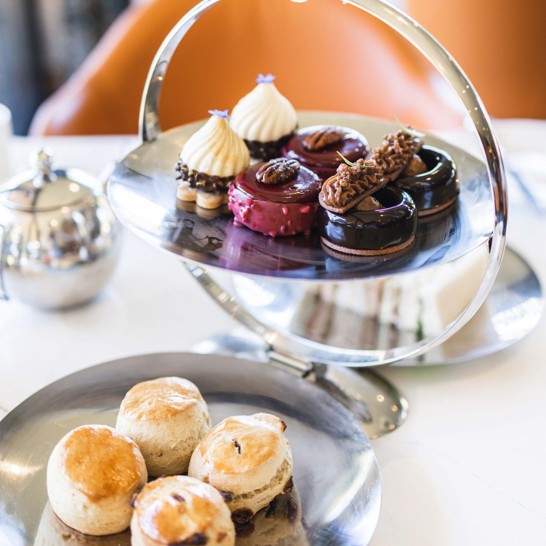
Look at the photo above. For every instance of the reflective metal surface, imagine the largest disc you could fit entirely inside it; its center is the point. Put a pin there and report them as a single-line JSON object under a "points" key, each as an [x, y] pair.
{"points": [[142, 190], [378, 404], [59, 239], [512, 309], [335, 470], [372, 321]]}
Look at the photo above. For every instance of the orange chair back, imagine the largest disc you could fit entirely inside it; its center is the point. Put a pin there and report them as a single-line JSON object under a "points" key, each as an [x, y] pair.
{"points": [[325, 56]]}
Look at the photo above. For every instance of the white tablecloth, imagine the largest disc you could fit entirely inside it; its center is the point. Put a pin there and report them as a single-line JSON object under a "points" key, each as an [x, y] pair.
{"points": [[469, 465]]}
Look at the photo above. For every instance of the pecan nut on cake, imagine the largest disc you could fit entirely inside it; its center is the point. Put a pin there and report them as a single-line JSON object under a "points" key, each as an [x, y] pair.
{"points": [[265, 119], [360, 215], [209, 161], [276, 198], [427, 173], [319, 147]]}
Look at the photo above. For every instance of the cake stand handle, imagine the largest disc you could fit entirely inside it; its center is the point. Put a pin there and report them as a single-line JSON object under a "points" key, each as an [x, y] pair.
{"points": [[149, 128], [443, 62]]}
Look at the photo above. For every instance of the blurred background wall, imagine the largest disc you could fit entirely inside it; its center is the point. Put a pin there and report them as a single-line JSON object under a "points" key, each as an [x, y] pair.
{"points": [[41, 43]]}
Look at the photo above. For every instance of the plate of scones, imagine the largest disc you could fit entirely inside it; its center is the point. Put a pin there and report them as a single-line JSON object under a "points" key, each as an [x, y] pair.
{"points": [[185, 449], [271, 191]]}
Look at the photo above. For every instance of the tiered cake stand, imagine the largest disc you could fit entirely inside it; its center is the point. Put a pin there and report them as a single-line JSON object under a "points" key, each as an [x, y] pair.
{"points": [[266, 283]]}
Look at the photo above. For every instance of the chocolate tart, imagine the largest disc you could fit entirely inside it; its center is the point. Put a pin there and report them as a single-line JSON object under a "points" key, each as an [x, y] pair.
{"points": [[276, 209], [437, 188], [371, 232], [318, 148]]}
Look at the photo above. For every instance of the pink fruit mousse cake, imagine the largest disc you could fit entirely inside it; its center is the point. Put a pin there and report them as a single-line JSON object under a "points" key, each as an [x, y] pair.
{"points": [[276, 198]]}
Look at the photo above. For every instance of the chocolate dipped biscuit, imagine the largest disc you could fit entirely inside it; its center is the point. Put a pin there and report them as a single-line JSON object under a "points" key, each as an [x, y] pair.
{"points": [[431, 180], [319, 147], [264, 119], [277, 198]]}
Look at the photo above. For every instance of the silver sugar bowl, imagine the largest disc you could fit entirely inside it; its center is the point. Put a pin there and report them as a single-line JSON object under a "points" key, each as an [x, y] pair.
{"points": [[59, 239]]}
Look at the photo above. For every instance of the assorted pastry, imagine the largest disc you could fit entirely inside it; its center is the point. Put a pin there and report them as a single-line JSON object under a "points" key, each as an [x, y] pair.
{"points": [[265, 119], [363, 200], [97, 476], [276, 198], [321, 147]]}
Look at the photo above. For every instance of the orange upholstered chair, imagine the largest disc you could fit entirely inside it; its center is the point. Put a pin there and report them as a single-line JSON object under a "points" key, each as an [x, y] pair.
{"points": [[325, 56], [499, 45]]}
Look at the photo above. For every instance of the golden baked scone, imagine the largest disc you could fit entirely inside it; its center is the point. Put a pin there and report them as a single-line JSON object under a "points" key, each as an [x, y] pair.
{"points": [[53, 532], [166, 417], [92, 475], [247, 457], [181, 510], [280, 524]]}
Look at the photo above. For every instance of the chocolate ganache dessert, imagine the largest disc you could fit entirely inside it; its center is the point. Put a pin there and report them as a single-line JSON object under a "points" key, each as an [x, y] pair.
{"points": [[360, 215], [209, 161], [276, 198], [319, 147], [265, 119], [426, 173]]}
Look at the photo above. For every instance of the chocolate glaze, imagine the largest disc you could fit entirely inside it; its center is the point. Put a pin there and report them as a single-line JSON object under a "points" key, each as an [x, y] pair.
{"points": [[303, 189], [437, 186], [266, 150], [326, 161], [373, 230]]}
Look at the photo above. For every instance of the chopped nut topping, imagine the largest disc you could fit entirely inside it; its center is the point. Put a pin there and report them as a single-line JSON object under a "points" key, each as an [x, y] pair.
{"points": [[351, 184], [395, 152], [278, 171], [322, 138]]}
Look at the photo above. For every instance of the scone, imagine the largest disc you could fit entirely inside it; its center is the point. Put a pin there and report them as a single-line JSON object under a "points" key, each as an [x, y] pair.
{"points": [[265, 119], [280, 524], [180, 510], [92, 475], [248, 458], [209, 161], [166, 417], [53, 532]]}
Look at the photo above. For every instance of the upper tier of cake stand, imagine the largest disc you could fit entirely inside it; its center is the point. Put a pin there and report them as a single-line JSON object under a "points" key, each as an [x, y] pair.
{"points": [[142, 191]]}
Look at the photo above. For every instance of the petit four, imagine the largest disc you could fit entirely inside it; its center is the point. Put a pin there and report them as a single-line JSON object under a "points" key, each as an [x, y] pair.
{"points": [[209, 161], [265, 119], [166, 418], [319, 147], [248, 458], [92, 475], [179, 510], [380, 224], [430, 178], [276, 198]]}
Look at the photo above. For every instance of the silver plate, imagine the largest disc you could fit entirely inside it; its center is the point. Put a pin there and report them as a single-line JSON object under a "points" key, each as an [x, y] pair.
{"points": [[335, 470], [142, 191]]}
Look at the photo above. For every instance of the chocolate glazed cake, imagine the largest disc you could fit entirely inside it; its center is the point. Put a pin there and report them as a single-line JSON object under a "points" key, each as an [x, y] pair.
{"points": [[361, 216], [319, 147], [434, 186]]}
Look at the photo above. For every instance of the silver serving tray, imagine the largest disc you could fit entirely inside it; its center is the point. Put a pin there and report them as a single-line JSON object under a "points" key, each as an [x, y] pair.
{"points": [[335, 470], [142, 191]]}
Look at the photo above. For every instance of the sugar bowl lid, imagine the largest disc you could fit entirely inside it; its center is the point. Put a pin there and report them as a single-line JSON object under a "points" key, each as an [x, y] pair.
{"points": [[45, 188]]}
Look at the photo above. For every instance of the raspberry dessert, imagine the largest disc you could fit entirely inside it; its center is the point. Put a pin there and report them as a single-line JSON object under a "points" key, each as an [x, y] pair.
{"points": [[276, 198], [209, 161], [319, 147], [265, 119]]}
